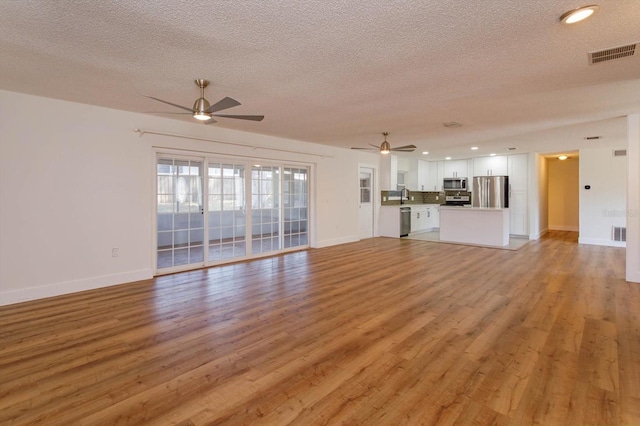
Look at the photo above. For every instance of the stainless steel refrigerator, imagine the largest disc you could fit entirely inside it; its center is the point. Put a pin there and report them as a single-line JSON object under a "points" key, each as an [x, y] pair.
{"points": [[491, 191]]}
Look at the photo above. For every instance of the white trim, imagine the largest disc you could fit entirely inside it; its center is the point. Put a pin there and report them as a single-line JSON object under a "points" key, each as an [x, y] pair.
{"points": [[564, 228], [60, 288], [601, 242], [538, 235], [375, 200], [337, 241], [633, 199]]}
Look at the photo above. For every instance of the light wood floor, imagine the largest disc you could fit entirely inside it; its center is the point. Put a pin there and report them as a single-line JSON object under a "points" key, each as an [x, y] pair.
{"points": [[379, 332]]}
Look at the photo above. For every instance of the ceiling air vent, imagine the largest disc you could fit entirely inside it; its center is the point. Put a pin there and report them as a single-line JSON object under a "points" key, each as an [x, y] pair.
{"points": [[613, 53], [592, 138], [619, 152]]}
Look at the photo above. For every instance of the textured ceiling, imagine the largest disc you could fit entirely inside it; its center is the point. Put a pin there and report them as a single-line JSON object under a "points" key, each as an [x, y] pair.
{"points": [[336, 72]]}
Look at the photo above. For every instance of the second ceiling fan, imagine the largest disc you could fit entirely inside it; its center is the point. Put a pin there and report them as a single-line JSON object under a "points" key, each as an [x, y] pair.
{"points": [[385, 147]]}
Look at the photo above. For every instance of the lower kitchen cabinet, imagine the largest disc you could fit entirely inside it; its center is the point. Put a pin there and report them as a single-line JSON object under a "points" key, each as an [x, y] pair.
{"points": [[425, 218]]}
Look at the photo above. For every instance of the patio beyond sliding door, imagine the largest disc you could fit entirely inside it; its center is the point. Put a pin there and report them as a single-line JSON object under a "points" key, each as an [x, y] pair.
{"points": [[211, 211]]}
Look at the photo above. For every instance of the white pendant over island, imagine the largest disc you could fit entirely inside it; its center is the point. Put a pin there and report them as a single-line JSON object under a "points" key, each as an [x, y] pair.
{"points": [[484, 226]]}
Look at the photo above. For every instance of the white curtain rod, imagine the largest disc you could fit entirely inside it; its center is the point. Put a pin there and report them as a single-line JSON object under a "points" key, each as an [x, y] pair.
{"points": [[175, 135]]}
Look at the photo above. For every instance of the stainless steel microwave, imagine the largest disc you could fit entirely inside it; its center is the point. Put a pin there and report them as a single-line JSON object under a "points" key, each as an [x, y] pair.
{"points": [[455, 184]]}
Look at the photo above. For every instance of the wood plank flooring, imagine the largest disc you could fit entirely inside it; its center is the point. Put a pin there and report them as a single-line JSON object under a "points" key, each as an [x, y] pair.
{"points": [[379, 332]]}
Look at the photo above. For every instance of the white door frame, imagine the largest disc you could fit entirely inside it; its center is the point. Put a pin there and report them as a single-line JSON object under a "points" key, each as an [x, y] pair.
{"points": [[375, 203]]}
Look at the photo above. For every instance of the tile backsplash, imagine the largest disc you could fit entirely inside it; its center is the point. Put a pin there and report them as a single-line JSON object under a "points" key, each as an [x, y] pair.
{"points": [[392, 198]]}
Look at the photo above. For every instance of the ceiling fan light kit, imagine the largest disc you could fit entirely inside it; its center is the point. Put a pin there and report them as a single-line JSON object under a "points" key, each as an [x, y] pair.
{"points": [[203, 111]]}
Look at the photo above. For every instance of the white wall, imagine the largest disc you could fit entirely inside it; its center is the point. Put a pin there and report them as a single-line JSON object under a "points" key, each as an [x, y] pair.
{"points": [[633, 199], [605, 204], [77, 182]]}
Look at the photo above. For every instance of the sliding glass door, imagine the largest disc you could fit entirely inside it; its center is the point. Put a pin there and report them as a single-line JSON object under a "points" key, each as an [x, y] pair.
{"points": [[237, 212], [227, 211], [265, 209], [180, 215]]}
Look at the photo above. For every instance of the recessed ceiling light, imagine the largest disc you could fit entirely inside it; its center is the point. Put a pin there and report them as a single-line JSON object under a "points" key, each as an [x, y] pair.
{"points": [[447, 158], [577, 15], [562, 157], [425, 152], [493, 154], [474, 148]]}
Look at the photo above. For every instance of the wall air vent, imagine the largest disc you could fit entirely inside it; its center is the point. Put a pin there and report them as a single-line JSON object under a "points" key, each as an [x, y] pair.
{"points": [[592, 138], [619, 152], [619, 233], [613, 53]]}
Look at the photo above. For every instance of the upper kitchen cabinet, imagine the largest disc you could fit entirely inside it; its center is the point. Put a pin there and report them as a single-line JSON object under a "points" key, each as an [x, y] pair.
{"points": [[491, 166], [423, 176], [433, 172], [456, 168], [518, 171]]}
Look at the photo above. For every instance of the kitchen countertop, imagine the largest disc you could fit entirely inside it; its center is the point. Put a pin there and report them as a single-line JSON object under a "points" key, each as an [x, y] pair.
{"points": [[489, 209]]}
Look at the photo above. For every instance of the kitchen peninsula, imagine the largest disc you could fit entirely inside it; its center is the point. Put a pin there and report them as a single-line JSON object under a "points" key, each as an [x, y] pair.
{"points": [[475, 225]]}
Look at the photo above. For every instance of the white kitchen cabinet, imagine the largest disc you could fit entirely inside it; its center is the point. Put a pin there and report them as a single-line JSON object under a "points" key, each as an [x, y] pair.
{"points": [[519, 171], [455, 168], [434, 176], [423, 176], [419, 218], [434, 217], [415, 218], [491, 166], [518, 192]]}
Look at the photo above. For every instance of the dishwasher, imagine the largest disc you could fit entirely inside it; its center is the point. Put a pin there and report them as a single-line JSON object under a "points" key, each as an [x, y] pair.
{"points": [[405, 221]]}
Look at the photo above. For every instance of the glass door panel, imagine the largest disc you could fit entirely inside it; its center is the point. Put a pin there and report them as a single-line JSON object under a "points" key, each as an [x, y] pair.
{"points": [[265, 209], [227, 211], [180, 233], [295, 194]]}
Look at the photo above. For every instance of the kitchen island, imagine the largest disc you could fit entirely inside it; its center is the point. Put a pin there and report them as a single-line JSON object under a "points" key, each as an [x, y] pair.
{"points": [[474, 225]]}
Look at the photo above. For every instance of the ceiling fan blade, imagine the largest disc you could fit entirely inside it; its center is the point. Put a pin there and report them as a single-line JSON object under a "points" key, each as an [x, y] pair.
{"points": [[165, 112], [375, 146], [367, 149], [223, 104], [242, 117], [406, 148], [170, 103]]}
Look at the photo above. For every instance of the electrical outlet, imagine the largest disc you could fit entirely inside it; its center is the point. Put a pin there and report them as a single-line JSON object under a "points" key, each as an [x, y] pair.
{"points": [[115, 252], [413, 198], [437, 197], [384, 198]]}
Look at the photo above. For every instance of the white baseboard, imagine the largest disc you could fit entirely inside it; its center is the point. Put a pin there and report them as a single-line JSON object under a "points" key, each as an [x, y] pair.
{"points": [[539, 234], [601, 242], [56, 289], [564, 228], [336, 241]]}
